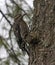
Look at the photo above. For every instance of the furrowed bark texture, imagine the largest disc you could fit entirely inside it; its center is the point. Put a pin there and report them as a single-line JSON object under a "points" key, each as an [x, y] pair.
{"points": [[44, 24]]}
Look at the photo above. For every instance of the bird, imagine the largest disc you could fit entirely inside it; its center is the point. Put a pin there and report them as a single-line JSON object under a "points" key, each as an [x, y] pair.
{"points": [[21, 30], [24, 30]]}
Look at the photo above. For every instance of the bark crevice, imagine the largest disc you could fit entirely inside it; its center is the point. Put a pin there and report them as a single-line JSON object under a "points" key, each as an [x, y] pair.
{"points": [[44, 26]]}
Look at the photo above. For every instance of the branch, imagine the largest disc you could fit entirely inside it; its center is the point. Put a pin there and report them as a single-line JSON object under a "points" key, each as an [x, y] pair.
{"points": [[5, 17], [1, 18], [28, 5], [10, 51], [20, 8]]}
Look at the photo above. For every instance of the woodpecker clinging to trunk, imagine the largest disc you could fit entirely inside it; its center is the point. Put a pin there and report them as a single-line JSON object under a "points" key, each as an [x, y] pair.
{"points": [[22, 33], [24, 30], [21, 30]]}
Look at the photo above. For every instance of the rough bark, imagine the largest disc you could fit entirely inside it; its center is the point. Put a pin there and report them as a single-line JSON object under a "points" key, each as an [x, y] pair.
{"points": [[44, 24]]}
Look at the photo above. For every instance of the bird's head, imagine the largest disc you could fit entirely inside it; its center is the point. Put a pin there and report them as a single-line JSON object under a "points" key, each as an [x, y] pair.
{"points": [[18, 17]]}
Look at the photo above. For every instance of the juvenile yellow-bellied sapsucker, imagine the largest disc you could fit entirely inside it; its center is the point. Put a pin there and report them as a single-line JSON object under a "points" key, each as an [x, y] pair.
{"points": [[21, 30]]}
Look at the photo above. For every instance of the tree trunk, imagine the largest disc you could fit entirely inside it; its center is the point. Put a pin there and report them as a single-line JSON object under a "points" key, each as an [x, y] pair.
{"points": [[44, 24]]}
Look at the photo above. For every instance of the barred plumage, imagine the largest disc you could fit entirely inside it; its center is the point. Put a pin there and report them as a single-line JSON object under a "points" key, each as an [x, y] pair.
{"points": [[21, 30]]}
